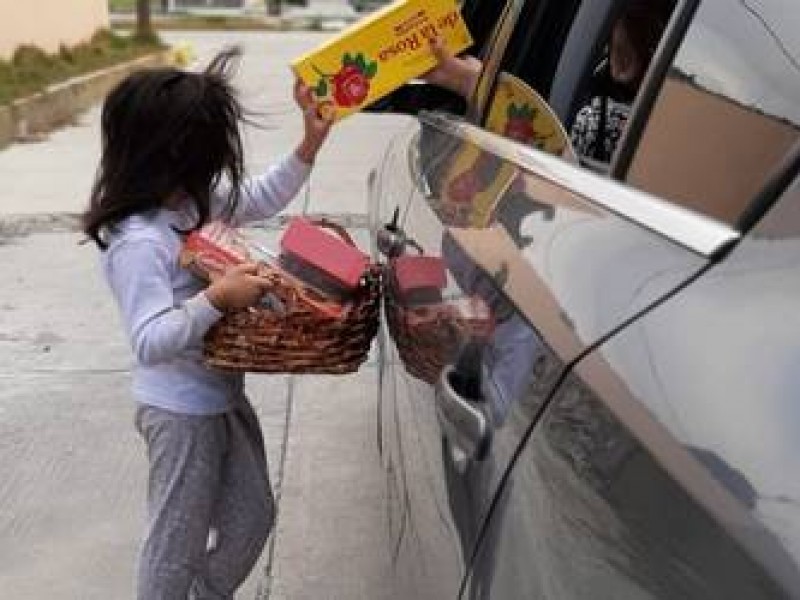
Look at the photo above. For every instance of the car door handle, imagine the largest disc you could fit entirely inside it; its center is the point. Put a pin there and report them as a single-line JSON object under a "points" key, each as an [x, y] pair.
{"points": [[458, 410]]}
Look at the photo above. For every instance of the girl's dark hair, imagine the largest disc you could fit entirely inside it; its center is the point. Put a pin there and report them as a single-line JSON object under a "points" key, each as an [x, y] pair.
{"points": [[167, 133]]}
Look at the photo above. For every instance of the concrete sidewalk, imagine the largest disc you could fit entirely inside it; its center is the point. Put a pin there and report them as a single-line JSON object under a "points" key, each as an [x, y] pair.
{"points": [[72, 470], [55, 177]]}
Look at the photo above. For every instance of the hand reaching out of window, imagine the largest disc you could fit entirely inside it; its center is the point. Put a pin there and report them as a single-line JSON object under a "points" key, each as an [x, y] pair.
{"points": [[458, 74]]}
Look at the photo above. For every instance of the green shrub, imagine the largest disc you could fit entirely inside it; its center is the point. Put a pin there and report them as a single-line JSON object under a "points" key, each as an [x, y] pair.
{"points": [[31, 69]]}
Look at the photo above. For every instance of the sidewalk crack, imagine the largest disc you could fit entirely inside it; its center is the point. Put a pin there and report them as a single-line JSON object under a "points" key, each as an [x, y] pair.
{"points": [[264, 590]]}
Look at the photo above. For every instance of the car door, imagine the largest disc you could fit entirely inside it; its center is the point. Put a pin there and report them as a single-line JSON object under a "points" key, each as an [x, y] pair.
{"points": [[489, 330], [661, 464], [439, 327]]}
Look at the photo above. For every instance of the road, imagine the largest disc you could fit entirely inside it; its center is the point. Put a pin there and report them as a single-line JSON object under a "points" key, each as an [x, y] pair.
{"points": [[72, 470]]}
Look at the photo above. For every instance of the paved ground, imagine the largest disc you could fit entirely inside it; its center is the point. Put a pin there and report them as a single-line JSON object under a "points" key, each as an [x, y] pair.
{"points": [[71, 466]]}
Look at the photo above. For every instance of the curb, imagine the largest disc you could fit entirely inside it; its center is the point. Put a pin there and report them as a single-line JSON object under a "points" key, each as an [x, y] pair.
{"points": [[59, 104], [287, 23]]}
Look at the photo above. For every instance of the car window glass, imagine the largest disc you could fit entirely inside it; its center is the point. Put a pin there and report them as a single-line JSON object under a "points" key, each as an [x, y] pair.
{"points": [[728, 111], [609, 88], [535, 45], [481, 18]]}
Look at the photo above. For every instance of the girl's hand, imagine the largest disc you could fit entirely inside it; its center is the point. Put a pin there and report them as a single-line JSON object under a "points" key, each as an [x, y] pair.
{"points": [[316, 125], [457, 74], [238, 287]]}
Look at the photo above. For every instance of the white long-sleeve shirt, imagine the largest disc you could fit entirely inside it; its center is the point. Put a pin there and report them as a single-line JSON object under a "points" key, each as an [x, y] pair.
{"points": [[163, 308]]}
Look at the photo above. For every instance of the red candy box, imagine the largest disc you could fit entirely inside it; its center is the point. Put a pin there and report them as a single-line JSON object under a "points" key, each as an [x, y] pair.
{"points": [[419, 272], [325, 251]]}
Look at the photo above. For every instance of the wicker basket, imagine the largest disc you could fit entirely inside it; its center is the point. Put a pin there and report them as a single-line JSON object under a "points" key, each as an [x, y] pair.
{"points": [[430, 336], [299, 340], [291, 334]]}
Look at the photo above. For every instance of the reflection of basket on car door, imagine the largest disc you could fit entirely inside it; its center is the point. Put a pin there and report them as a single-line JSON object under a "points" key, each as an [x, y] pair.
{"points": [[429, 331], [301, 326]]}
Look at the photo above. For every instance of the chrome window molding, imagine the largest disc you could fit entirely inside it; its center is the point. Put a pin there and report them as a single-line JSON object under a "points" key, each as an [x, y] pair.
{"points": [[694, 231]]}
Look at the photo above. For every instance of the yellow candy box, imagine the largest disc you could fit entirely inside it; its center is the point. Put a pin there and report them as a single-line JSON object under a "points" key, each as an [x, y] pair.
{"points": [[378, 54]]}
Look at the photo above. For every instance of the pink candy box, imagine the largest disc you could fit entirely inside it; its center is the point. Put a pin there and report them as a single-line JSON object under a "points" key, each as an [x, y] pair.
{"points": [[325, 251], [419, 272]]}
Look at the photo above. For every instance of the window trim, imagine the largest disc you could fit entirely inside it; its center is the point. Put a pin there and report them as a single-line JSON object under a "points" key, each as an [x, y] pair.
{"points": [[772, 191], [698, 233]]}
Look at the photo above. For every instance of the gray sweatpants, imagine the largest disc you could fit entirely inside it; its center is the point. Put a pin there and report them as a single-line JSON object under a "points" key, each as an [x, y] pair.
{"points": [[206, 472]]}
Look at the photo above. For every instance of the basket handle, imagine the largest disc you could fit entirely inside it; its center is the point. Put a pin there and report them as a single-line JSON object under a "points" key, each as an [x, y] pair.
{"points": [[335, 227]]}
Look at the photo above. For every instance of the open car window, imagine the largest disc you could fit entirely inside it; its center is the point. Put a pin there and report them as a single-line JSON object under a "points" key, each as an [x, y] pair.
{"points": [[727, 113], [615, 63]]}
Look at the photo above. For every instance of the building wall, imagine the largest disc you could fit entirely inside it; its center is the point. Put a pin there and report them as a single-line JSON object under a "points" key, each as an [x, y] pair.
{"points": [[49, 23]]}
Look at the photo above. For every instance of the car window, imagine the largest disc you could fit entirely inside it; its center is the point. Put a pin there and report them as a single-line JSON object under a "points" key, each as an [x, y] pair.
{"points": [[728, 111], [710, 128], [605, 103], [535, 46], [621, 53], [481, 18]]}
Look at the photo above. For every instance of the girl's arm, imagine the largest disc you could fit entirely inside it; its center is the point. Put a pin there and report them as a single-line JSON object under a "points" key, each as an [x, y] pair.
{"points": [[264, 196], [160, 329]]}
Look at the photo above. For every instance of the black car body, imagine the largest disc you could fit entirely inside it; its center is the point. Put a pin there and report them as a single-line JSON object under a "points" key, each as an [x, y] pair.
{"points": [[590, 389]]}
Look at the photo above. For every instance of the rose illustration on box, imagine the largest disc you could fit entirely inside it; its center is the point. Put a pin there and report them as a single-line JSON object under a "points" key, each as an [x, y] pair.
{"points": [[349, 87], [474, 180], [519, 126]]}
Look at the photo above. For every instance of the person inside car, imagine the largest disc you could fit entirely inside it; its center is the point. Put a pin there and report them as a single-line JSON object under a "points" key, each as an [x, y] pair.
{"points": [[601, 120]]}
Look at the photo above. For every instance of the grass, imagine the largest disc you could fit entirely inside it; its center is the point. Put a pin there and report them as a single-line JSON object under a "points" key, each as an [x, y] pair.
{"points": [[31, 69]]}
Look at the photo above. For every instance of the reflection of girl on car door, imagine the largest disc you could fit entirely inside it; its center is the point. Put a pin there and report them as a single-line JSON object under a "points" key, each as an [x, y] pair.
{"points": [[505, 367]]}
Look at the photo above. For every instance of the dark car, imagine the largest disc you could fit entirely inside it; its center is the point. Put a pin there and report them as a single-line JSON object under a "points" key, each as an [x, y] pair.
{"points": [[590, 382]]}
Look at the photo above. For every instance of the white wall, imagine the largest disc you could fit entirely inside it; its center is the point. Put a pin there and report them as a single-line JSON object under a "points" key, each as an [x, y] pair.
{"points": [[49, 23]]}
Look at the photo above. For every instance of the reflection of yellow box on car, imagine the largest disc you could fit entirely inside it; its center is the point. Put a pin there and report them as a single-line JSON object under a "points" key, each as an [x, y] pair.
{"points": [[477, 179], [378, 54]]}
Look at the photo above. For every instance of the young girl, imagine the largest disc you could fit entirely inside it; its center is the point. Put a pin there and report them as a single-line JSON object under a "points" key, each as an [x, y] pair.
{"points": [[171, 160]]}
